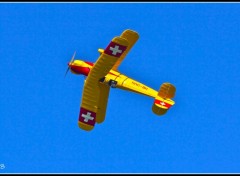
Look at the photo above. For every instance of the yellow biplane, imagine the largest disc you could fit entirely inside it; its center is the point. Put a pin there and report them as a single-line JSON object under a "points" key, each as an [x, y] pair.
{"points": [[104, 74]]}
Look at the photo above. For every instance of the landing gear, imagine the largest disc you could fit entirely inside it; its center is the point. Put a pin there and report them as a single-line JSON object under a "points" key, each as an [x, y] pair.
{"points": [[112, 83]]}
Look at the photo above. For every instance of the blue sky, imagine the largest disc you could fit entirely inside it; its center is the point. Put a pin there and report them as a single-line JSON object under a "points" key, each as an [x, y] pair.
{"points": [[193, 46]]}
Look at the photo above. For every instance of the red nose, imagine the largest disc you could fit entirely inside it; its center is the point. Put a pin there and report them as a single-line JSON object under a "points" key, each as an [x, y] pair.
{"points": [[79, 70]]}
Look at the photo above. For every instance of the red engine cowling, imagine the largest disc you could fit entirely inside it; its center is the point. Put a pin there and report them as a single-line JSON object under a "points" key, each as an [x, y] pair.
{"points": [[80, 70]]}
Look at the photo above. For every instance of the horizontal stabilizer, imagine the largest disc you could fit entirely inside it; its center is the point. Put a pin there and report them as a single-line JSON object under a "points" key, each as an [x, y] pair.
{"points": [[163, 100]]}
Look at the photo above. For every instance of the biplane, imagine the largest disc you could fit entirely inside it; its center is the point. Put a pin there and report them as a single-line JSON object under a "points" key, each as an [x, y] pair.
{"points": [[103, 75]]}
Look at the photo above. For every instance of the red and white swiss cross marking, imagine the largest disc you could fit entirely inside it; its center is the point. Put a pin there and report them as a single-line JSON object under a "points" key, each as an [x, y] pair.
{"points": [[163, 103], [115, 49], [87, 117]]}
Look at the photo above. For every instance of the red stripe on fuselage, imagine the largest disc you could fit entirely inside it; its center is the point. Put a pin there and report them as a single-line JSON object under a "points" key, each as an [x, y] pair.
{"points": [[112, 74], [89, 63]]}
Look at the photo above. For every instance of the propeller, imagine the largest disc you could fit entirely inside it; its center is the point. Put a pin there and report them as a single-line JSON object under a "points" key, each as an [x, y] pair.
{"points": [[70, 63]]}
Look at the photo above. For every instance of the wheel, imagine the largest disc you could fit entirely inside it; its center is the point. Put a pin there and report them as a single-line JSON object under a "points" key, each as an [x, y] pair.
{"points": [[112, 83]]}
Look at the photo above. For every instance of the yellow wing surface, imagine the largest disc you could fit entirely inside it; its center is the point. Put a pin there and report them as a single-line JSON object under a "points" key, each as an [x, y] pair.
{"points": [[95, 95], [132, 37]]}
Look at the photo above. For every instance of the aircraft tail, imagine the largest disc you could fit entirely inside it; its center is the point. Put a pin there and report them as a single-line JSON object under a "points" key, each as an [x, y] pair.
{"points": [[163, 101]]}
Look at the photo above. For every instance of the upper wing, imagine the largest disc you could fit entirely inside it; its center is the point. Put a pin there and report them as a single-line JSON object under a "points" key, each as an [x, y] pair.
{"points": [[91, 91], [132, 37]]}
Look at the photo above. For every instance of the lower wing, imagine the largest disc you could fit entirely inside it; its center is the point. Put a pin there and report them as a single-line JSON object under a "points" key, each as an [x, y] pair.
{"points": [[102, 102]]}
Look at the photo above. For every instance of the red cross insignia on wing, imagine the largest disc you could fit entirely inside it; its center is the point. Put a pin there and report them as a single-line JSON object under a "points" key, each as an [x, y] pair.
{"points": [[115, 49]]}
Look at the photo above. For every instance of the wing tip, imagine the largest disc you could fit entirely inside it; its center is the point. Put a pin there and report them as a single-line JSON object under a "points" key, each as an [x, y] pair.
{"points": [[85, 126], [131, 34]]}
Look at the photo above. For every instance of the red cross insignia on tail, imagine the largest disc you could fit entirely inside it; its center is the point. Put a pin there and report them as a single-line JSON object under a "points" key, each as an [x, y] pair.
{"points": [[162, 103]]}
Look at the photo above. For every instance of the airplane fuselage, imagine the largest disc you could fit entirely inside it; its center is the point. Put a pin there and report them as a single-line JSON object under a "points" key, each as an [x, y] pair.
{"points": [[114, 79]]}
